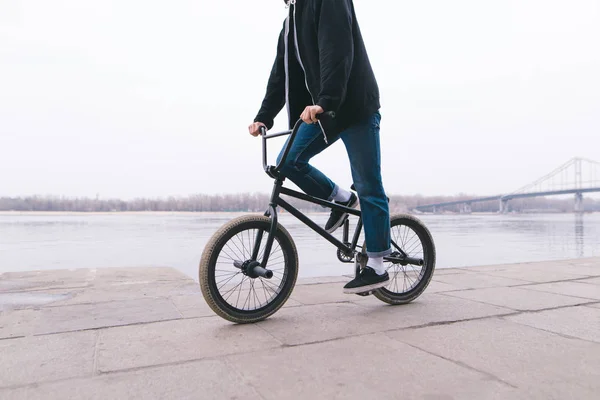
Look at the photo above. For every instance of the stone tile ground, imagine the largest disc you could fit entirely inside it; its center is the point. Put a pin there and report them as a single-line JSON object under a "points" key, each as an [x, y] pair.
{"points": [[521, 331]]}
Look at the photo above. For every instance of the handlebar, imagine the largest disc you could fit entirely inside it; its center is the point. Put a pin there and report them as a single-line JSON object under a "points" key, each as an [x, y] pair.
{"points": [[263, 131]]}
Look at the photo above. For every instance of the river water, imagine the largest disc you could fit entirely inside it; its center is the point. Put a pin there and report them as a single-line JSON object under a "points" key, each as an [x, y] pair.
{"points": [[32, 241]]}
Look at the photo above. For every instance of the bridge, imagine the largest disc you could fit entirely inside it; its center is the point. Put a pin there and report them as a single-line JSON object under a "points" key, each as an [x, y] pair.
{"points": [[577, 176]]}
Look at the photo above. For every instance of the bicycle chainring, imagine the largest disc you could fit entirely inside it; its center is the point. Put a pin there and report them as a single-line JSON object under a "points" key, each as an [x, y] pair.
{"points": [[345, 257]]}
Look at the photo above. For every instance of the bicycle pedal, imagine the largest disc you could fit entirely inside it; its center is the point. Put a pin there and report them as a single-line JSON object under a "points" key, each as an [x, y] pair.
{"points": [[365, 294]]}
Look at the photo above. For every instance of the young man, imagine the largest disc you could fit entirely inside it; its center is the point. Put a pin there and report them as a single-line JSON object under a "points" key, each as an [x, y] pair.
{"points": [[322, 65]]}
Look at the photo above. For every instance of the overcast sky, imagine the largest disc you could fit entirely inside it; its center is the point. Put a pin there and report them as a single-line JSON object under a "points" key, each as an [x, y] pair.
{"points": [[135, 98]]}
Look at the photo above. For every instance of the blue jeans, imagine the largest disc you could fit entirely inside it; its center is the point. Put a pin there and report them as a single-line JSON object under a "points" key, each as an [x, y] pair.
{"points": [[362, 144]]}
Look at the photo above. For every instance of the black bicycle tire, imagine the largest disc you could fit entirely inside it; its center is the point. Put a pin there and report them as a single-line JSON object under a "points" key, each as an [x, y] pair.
{"points": [[211, 253]]}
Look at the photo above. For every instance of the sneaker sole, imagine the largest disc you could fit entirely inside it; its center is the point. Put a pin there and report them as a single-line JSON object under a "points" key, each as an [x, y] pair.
{"points": [[342, 219], [368, 288]]}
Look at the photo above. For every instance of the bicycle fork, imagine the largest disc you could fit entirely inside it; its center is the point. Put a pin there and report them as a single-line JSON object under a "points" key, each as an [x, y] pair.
{"points": [[272, 213]]}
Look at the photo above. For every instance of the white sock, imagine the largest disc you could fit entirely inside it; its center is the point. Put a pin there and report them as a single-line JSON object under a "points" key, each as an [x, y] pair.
{"points": [[342, 195], [377, 264]]}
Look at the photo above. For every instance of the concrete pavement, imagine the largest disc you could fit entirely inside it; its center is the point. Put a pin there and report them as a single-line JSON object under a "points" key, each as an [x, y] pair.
{"points": [[523, 331]]}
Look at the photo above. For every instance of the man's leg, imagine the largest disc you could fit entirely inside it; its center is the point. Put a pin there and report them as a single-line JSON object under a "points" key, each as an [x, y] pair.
{"points": [[308, 143], [362, 144]]}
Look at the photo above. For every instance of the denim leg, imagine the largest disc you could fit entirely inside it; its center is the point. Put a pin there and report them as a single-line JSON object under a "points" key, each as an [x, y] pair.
{"points": [[308, 143], [362, 144]]}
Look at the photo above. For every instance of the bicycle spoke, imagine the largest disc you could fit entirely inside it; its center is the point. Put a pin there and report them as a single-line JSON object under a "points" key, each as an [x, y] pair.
{"points": [[408, 278], [249, 244], [418, 243], [406, 232], [264, 291], [414, 240], [232, 290], [230, 256], [271, 286], [227, 270], [395, 233], [257, 302], [222, 286], [238, 247], [227, 279], [243, 243], [226, 274]]}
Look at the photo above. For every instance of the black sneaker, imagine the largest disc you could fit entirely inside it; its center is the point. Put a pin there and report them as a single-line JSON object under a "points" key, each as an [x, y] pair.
{"points": [[366, 281], [337, 218]]}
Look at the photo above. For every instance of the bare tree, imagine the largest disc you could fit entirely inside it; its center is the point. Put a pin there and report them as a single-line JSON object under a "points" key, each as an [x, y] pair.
{"points": [[257, 202]]}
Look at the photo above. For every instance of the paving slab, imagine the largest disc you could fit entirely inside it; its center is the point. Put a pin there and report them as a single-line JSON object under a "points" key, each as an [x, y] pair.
{"points": [[590, 281], [52, 320], [578, 269], [450, 271], [322, 280], [583, 261], [34, 299], [579, 322], [375, 367], [570, 288], [40, 280], [194, 305], [436, 286], [43, 358], [9, 285], [590, 267], [535, 275], [571, 268], [517, 298], [321, 322], [517, 266], [176, 341], [333, 292], [594, 305], [18, 323], [129, 291], [477, 281], [320, 294], [139, 274], [541, 363], [98, 315], [207, 380], [309, 324], [542, 272]]}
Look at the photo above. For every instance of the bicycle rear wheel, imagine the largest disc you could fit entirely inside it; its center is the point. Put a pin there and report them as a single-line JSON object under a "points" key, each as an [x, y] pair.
{"points": [[228, 288], [407, 282]]}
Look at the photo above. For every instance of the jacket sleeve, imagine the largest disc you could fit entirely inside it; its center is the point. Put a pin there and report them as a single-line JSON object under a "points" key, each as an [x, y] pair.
{"points": [[336, 51], [274, 99]]}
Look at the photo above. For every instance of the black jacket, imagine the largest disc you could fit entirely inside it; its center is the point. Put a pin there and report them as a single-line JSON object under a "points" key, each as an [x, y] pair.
{"points": [[331, 51]]}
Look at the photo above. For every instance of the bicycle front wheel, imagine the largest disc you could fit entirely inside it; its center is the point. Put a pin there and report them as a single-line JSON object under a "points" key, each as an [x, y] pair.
{"points": [[228, 288]]}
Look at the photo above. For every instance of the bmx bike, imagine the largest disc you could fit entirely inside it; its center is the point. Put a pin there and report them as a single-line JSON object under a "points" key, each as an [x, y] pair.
{"points": [[249, 267]]}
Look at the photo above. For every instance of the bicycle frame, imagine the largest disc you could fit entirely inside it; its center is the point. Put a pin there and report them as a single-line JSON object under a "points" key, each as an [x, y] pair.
{"points": [[276, 200]]}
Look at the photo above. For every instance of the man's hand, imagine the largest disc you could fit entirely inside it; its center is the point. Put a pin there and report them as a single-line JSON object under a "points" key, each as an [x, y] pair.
{"points": [[254, 128], [310, 114]]}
